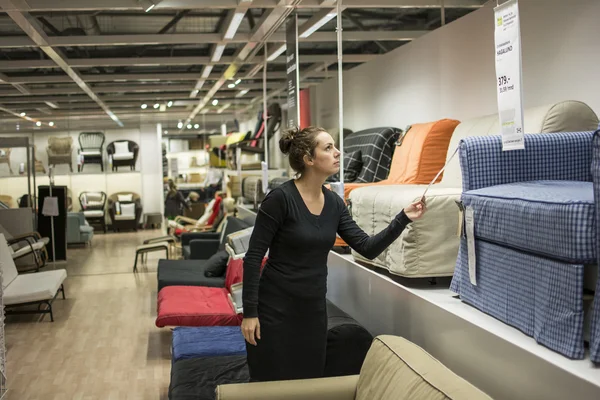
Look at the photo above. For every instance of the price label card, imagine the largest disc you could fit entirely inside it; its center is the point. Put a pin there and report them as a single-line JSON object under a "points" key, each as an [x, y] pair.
{"points": [[470, 231], [509, 75]]}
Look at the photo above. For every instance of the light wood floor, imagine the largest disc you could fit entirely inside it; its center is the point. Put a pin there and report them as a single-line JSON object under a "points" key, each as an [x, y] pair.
{"points": [[103, 343]]}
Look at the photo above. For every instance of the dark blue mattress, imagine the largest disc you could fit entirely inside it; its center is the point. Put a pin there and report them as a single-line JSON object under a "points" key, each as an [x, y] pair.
{"points": [[207, 341]]}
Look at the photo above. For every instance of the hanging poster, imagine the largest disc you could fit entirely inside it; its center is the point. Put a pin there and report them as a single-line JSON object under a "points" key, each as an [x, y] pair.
{"points": [[509, 75], [293, 77]]}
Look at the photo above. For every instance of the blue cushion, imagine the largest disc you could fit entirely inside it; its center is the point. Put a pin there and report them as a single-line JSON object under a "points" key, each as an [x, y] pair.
{"points": [[209, 341], [551, 218]]}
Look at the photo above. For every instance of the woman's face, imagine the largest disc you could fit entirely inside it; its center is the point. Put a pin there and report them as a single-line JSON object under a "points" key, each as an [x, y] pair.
{"points": [[326, 158]]}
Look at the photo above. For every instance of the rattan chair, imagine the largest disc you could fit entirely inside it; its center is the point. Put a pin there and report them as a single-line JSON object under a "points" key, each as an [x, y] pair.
{"points": [[91, 145], [60, 150]]}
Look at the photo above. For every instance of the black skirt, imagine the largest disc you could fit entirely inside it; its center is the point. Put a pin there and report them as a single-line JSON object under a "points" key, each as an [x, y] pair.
{"points": [[293, 336]]}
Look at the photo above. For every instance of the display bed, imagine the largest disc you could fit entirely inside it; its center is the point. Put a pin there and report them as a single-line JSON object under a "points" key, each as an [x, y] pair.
{"points": [[478, 347]]}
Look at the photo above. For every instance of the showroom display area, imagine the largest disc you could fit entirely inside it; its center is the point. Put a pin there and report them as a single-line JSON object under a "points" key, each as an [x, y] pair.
{"points": [[143, 178]]}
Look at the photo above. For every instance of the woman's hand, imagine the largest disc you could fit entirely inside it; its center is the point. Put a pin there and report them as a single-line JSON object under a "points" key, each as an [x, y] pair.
{"points": [[251, 330], [415, 210]]}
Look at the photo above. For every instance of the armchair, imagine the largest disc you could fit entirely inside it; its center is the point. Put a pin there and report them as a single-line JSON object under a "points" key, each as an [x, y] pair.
{"points": [[93, 206], [78, 230], [125, 210], [28, 244], [5, 158], [91, 145], [393, 369], [59, 151], [534, 235], [124, 153]]}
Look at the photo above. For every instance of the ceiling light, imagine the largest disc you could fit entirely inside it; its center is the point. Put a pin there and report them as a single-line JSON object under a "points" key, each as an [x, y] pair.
{"points": [[314, 27], [231, 85], [207, 70], [51, 104], [23, 114], [242, 93], [144, 106], [170, 103], [193, 94], [216, 56], [215, 102], [196, 126], [180, 125], [189, 126], [166, 132], [51, 123], [156, 105], [38, 123], [148, 5], [238, 81], [234, 25], [277, 52]]}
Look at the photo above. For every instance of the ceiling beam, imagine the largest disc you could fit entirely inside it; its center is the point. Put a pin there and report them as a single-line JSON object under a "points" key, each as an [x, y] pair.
{"points": [[122, 5], [32, 28], [8, 42], [133, 77], [163, 61], [73, 89], [148, 98], [173, 22]]}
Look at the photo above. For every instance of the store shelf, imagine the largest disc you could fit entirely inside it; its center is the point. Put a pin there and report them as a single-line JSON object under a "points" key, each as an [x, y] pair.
{"points": [[500, 360], [248, 172]]}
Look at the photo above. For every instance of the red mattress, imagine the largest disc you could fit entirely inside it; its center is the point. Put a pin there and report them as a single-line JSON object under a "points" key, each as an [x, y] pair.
{"points": [[198, 305], [195, 306]]}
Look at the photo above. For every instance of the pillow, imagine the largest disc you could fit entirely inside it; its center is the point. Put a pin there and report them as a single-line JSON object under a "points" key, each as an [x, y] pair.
{"points": [[216, 265], [128, 210], [121, 147], [123, 198], [352, 165], [215, 211], [240, 240]]}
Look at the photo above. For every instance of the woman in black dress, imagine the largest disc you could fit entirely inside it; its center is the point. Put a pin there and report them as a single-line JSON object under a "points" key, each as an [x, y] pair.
{"points": [[285, 318]]}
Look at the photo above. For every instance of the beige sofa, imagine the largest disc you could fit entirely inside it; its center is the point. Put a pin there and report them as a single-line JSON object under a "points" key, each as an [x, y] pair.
{"points": [[429, 246], [394, 369]]}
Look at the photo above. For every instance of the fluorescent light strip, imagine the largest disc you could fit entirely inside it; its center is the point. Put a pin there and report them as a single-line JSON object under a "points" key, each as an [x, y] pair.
{"points": [[225, 107], [206, 71], [277, 53], [234, 25], [318, 24], [216, 56], [242, 93]]}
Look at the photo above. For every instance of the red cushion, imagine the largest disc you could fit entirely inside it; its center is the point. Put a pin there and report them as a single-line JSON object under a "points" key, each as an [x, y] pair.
{"points": [[195, 306], [235, 271], [215, 211]]}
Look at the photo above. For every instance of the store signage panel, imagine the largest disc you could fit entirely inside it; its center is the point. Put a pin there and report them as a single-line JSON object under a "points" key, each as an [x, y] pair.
{"points": [[509, 74]]}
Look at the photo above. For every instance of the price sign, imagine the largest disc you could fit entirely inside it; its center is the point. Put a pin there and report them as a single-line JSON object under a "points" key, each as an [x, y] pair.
{"points": [[509, 75]]}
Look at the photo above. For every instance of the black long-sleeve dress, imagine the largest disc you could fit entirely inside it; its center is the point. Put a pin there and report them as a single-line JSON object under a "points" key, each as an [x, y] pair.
{"points": [[289, 296]]}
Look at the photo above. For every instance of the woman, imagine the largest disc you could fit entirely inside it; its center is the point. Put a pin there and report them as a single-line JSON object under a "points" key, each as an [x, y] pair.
{"points": [[174, 201], [285, 317]]}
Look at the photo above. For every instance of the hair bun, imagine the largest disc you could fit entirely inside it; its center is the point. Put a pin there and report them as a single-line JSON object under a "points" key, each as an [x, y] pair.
{"points": [[287, 139]]}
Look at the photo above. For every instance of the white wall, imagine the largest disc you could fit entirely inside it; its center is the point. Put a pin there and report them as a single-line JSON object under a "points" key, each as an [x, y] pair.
{"points": [[450, 73]]}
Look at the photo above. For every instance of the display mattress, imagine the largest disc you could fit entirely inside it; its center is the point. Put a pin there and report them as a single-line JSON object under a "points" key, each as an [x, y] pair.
{"points": [[551, 218], [195, 306], [428, 246], [185, 273], [198, 378], [541, 297], [207, 341]]}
